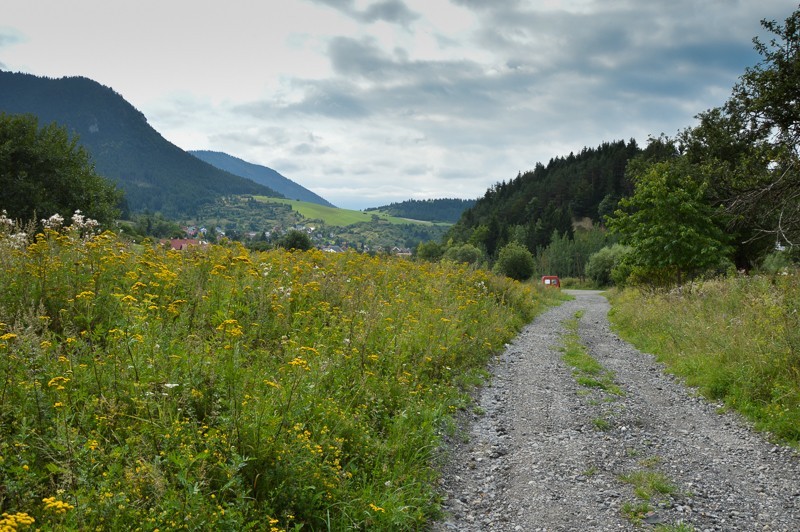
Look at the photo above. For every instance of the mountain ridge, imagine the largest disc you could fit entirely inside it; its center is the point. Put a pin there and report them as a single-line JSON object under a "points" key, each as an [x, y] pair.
{"points": [[260, 174]]}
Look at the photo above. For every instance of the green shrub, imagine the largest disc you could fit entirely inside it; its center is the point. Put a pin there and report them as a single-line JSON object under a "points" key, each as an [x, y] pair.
{"points": [[776, 262], [515, 261], [465, 253], [601, 264], [430, 251]]}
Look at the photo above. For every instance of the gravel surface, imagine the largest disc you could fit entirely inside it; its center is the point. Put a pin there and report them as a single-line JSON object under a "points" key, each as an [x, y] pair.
{"points": [[540, 452]]}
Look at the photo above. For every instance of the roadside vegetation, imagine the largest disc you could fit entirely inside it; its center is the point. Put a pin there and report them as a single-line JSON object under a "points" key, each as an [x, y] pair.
{"points": [[737, 340], [216, 388]]}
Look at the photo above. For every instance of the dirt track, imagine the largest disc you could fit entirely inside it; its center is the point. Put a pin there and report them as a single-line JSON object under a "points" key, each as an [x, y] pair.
{"points": [[544, 453]]}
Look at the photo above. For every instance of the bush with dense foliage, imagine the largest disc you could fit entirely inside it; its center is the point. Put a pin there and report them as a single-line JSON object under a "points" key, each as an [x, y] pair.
{"points": [[515, 261], [601, 264], [465, 253]]}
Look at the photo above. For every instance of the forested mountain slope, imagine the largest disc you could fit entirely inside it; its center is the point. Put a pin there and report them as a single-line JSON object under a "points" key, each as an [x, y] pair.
{"points": [[431, 210], [549, 198], [155, 174]]}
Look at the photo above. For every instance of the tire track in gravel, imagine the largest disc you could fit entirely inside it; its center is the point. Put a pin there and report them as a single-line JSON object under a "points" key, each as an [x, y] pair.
{"points": [[534, 458]]}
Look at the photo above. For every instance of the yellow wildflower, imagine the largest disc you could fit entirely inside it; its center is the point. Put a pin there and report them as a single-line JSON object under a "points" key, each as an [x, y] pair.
{"points": [[230, 326], [15, 521], [299, 362], [57, 506], [58, 382]]}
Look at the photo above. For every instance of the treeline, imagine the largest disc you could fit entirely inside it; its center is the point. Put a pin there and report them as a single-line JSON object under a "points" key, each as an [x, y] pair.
{"points": [[430, 210], [547, 199]]}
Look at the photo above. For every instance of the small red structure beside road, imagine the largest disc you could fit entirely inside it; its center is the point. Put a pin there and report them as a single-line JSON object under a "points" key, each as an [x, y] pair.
{"points": [[551, 280]]}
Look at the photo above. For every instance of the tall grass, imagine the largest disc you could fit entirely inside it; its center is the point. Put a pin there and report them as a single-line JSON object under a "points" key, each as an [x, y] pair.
{"points": [[737, 340], [219, 389]]}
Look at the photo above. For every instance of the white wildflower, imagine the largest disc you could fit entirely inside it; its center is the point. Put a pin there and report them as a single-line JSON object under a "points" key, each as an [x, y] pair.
{"points": [[6, 223], [54, 222], [18, 240], [81, 222]]}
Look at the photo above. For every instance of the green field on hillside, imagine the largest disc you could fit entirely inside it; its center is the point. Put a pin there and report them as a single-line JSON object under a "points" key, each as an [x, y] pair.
{"points": [[335, 216]]}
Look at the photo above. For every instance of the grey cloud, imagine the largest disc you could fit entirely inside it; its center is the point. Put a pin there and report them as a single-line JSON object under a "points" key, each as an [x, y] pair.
{"points": [[286, 166], [7, 39], [672, 50], [363, 58], [333, 170], [342, 5], [391, 11], [331, 99], [359, 58], [483, 5], [306, 148], [267, 136], [328, 98], [418, 169]]}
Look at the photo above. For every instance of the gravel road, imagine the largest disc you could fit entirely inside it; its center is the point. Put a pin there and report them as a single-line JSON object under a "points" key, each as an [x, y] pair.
{"points": [[541, 452]]}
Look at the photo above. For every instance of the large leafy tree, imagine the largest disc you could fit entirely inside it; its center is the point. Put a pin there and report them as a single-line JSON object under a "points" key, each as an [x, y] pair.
{"points": [[672, 229], [43, 171], [752, 142]]}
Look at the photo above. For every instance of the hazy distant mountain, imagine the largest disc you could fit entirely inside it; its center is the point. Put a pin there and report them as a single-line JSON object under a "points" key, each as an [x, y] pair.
{"points": [[431, 210], [154, 173], [260, 174]]}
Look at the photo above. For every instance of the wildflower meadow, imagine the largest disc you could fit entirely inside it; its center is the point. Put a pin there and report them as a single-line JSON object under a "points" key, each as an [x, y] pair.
{"points": [[214, 388]]}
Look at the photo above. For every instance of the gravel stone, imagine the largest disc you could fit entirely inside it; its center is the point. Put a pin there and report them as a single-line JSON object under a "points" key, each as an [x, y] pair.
{"points": [[534, 460]]}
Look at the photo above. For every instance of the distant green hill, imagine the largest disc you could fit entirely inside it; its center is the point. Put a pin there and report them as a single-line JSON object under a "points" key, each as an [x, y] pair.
{"points": [[155, 174], [432, 210], [260, 174], [337, 217]]}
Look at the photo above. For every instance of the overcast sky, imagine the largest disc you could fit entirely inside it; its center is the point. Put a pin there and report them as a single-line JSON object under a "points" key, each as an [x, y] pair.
{"points": [[367, 102]]}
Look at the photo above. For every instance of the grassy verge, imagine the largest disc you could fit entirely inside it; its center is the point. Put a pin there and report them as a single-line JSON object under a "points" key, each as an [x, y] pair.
{"points": [[221, 389], [588, 371], [737, 340]]}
